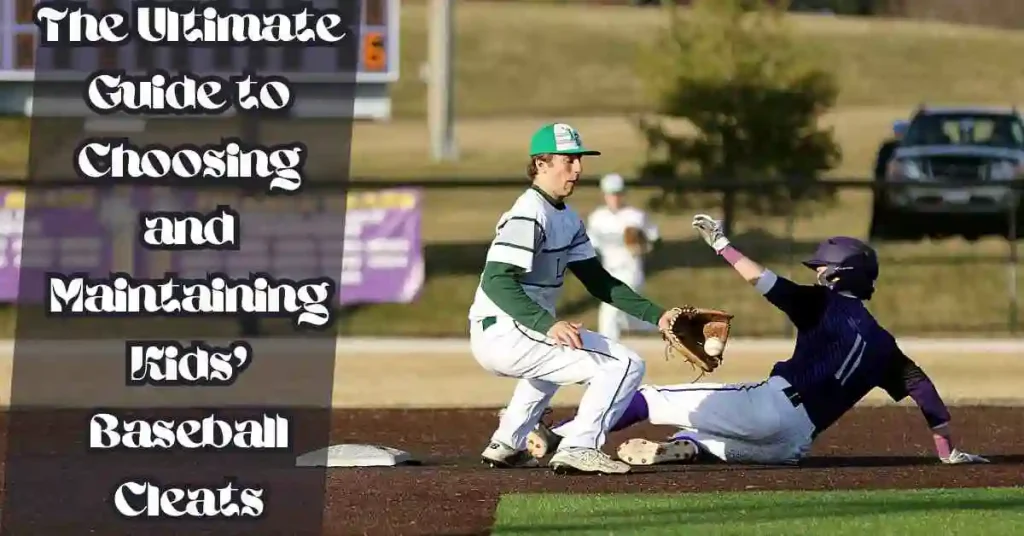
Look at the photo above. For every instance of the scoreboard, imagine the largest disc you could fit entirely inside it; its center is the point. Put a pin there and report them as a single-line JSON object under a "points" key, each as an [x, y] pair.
{"points": [[377, 66]]}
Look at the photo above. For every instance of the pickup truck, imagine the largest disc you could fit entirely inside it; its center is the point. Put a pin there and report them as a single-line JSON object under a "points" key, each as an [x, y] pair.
{"points": [[955, 166]]}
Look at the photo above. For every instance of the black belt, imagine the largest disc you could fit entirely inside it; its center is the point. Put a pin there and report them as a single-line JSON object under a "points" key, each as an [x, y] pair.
{"points": [[796, 400], [793, 396]]}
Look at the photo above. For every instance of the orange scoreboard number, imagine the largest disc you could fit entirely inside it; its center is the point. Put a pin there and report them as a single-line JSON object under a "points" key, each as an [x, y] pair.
{"points": [[375, 56]]}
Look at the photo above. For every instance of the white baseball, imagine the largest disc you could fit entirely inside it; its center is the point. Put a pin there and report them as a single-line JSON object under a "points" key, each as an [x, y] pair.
{"points": [[714, 346]]}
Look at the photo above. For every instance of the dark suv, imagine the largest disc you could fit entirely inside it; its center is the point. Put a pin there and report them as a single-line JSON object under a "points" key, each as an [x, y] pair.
{"points": [[976, 151]]}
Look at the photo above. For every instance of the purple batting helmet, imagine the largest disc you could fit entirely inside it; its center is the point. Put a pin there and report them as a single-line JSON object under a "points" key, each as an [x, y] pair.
{"points": [[850, 266]]}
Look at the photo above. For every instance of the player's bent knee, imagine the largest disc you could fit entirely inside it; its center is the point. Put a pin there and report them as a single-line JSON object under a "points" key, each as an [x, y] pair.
{"points": [[638, 367], [622, 364], [632, 367]]}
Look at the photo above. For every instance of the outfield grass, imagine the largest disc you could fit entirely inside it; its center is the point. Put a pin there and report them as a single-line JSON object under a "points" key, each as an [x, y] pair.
{"points": [[489, 147], [587, 54], [948, 286], [932, 287], [885, 68], [979, 511]]}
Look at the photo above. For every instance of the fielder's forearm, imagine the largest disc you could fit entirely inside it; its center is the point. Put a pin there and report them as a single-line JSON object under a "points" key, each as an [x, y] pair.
{"points": [[500, 283], [603, 286]]}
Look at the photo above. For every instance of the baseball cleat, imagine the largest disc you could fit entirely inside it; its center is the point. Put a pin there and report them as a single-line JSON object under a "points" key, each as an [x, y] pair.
{"points": [[542, 441], [502, 456], [646, 452], [586, 461]]}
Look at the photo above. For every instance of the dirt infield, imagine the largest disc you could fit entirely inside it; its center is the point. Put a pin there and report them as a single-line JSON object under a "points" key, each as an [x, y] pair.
{"points": [[452, 493], [872, 447], [885, 447]]}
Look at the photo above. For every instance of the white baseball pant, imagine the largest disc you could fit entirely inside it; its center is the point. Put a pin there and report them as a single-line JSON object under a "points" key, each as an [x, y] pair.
{"points": [[738, 423], [611, 321], [611, 372]]}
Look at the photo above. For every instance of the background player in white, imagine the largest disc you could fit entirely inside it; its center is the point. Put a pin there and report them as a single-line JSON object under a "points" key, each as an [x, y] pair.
{"points": [[513, 327], [606, 227]]}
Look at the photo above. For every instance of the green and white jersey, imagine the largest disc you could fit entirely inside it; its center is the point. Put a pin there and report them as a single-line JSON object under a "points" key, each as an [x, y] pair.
{"points": [[542, 238]]}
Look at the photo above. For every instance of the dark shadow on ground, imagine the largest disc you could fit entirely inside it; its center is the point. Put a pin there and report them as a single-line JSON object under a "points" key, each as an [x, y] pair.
{"points": [[812, 462], [468, 257], [867, 461], [781, 253], [893, 461]]}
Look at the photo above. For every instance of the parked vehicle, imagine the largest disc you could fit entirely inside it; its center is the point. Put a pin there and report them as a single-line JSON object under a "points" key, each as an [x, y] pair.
{"points": [[976, 151]]}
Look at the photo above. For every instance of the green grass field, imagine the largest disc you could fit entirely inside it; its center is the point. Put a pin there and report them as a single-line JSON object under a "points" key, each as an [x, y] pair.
{"points": [[983, 512], [587, 55], [885, 67], [590, 51], [973, 277]]}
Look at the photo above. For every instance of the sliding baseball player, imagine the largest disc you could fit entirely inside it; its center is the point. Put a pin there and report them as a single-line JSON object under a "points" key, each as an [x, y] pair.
{"points": [[841, 354]]}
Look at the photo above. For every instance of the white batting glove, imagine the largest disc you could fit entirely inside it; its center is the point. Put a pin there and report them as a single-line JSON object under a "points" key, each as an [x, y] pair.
{"points": [[710, 230], [957, 457]]}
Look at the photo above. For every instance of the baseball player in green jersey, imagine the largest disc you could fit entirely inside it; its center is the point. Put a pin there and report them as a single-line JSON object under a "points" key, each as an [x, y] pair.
{"points": [[514, 331]]}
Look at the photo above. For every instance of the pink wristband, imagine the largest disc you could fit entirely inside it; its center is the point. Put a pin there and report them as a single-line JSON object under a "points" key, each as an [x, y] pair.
{"points": [[731, 255]]}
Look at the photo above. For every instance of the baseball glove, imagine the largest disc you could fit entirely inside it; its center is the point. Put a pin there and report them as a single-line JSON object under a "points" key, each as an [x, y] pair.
{"points": [[636, 241], [690, 328]]}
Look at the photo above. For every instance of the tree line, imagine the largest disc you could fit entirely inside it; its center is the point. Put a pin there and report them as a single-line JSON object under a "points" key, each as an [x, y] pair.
{"points": [[737, 97]]}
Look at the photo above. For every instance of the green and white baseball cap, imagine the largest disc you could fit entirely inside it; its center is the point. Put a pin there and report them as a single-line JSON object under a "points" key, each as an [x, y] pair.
{"points": [[558, 138]]}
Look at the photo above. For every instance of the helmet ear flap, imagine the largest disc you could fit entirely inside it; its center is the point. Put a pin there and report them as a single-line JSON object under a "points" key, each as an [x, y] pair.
{"points": [[828, 277], [855, 282]]}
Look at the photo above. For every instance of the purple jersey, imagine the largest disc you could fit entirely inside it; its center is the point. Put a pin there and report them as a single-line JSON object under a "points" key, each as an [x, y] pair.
{"points": [[841, 352]]}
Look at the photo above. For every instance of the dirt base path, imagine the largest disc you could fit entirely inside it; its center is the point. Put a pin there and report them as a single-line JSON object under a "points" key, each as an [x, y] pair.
{"points": [[884, 447], [452, 493]]}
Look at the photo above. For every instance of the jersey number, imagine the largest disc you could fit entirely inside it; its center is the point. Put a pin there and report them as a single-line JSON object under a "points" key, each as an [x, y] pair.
{"points": [[852, 360]]}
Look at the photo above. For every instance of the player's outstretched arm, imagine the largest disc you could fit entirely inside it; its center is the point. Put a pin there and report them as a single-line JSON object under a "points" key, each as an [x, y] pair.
{"points": [[605, 287], [908, 379], [803, 305], [927, 398], [711, 231], [586, 266]]}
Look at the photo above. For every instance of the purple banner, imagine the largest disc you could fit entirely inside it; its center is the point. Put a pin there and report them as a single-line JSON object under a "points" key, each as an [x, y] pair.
{"points": [[63, 234], [86, 230]]}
